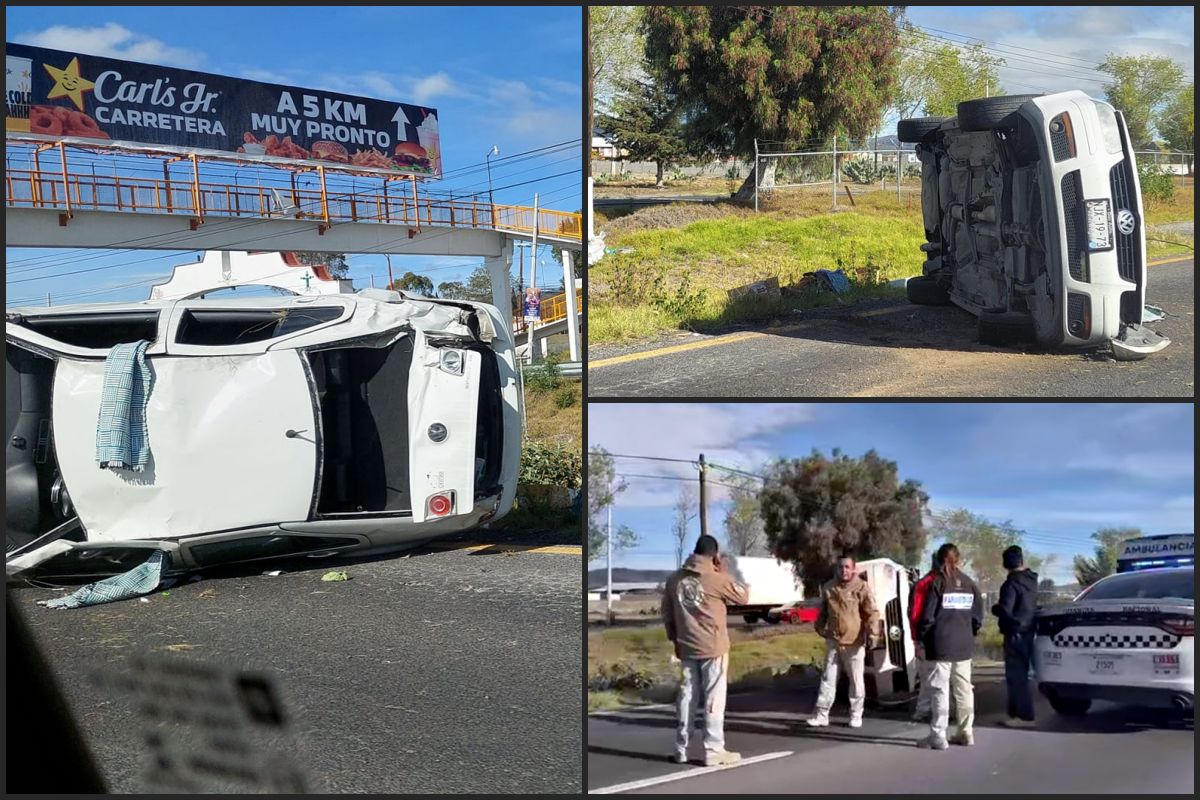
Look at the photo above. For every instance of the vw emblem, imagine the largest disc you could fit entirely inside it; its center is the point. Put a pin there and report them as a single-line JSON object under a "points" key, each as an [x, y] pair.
{"points": [[1126, 222]]}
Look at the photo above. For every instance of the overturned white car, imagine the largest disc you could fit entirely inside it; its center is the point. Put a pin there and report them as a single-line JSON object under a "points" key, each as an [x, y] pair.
{"points": [[276, 427], [1034, 223]]}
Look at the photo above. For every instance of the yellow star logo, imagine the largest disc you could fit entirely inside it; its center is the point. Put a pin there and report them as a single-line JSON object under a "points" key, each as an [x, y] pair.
{"points": [[69, 83]]}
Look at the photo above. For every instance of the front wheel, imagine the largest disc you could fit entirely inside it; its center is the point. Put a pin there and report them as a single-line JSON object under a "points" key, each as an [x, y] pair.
{"points": [[1070, 706], [919, 130], [750, 618]]}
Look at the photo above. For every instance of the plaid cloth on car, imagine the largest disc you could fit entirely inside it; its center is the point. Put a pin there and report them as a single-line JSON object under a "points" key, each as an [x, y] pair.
{"points": [[140, 580], [122, 441]]}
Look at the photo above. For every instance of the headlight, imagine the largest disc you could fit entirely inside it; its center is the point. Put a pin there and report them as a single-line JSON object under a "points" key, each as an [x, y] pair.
{"points": [[451, 361]]}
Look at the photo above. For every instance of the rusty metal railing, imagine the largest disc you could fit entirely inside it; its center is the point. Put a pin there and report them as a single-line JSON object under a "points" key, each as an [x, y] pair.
{"points": [[397, 203]]}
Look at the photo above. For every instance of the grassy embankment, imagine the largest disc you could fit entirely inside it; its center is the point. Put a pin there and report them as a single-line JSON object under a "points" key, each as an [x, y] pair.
{"points": [[682, 259], [635, 663]]}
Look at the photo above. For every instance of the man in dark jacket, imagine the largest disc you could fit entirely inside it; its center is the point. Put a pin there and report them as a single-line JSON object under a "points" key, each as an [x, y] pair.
{"points": [[1018, 601], [950, 619]]}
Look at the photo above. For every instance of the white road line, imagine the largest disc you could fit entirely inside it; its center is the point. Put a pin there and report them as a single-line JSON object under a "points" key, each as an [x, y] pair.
{"points": [[691, 773]]}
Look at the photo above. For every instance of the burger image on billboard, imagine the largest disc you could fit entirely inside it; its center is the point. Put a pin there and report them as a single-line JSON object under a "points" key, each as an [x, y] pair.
{"points": [[412, 156], [330, 151]]}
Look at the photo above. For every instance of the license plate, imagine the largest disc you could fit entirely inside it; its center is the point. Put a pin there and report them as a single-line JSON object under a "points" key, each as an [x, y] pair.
{"points": [[1105, 665], [1099, 224], [1167, 664]]}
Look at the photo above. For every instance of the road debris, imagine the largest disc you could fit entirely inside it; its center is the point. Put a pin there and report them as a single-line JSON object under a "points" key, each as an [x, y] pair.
{"points": [[335, 575]]}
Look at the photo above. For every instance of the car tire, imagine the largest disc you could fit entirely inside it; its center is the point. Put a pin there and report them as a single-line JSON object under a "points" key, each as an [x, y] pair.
{"points": [[1008, 328], [1070, 706], [926, 291], [918, 130], [991, 113], [750, 618]]}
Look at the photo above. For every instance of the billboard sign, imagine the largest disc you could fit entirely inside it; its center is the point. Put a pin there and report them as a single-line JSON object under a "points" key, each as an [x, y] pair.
{"points": [[55, 95]]}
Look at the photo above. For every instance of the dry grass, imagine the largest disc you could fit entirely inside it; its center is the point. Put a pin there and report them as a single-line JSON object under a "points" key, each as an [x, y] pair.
{"points": [[548, 423]]}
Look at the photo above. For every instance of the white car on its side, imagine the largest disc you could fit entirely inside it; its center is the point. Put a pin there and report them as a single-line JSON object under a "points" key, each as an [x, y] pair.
{"points": [[1128, 638]]}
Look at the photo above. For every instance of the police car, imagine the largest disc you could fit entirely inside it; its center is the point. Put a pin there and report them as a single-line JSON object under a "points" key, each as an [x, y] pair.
{"points": [[1128, 638]]}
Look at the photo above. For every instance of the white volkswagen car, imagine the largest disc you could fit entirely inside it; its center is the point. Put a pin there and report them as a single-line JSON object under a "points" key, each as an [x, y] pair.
{"points": [[1033, 215], [1128, 638], [277, 427]]}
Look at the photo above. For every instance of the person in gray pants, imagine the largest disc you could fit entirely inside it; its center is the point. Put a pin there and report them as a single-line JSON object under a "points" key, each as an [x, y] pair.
{"points": [[693, 611]]}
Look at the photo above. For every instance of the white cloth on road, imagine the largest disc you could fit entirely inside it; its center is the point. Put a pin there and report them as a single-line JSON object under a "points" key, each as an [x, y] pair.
{"points": [[946, 679], [851, 658], [707, 678]]}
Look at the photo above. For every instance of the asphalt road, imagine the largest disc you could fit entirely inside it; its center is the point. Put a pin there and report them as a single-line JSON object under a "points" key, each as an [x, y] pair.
{"points": [[894, 349], [443, 671], [1112, 749]]}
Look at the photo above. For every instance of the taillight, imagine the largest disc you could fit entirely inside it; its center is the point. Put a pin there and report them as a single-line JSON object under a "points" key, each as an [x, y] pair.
{"points": [[440, 504], [1180, 626]]}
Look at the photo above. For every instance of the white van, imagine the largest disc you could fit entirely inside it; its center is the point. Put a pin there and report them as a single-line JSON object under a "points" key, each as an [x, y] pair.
{"points": [[278, 426], [1034, 223]]}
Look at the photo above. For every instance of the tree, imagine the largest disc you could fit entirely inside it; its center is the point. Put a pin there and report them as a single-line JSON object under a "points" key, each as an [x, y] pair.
{"points": [[335, 262], [816, 508], [743, 522], [647, 120], [603, 487], [1104, 562], [781, 73], [415, 284], [1141, 88], [935, 78], [1046, 585], [685, 512], [1177, 124], [453, 290], [614, 48], [980, 543]]}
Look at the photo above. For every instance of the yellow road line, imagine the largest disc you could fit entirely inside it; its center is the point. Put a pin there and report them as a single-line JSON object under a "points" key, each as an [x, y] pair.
{"points": [[745, 335], [503, 547], [675, 348]]}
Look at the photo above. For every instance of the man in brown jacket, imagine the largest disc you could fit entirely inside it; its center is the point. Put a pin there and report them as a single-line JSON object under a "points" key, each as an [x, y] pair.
{"points": [[849, 623], [693, 610]]}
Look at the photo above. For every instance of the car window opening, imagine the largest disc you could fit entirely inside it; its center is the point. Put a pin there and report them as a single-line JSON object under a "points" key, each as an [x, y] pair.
{"points": [[97, 331], [217, 327]]}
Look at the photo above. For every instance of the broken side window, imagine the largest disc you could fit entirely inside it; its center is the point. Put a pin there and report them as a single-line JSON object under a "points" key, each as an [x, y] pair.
{"points": [[216, 327]]}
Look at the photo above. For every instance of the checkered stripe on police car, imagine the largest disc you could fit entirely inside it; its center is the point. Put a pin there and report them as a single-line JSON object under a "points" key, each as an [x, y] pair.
{"points": [[1117, 640]]}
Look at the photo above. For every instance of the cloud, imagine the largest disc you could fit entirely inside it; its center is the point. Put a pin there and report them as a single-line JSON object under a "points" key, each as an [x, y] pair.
{"points": [[432, 86], [733, 435], [114, 41]]}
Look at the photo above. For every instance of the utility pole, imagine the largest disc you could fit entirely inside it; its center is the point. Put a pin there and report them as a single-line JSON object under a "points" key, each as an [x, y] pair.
{"points": [[835, 170], [608, 540], [521, 275], [755, 174], [372, 281], [47, 299], [391, 280], [703, 497], [533, 275]]}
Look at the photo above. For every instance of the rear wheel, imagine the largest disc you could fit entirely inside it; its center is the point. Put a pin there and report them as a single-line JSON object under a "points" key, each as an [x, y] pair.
{"points": [[750, 618], [925, 291], [1006, 328], [991, 113], [919, 130], [1070, 706]]}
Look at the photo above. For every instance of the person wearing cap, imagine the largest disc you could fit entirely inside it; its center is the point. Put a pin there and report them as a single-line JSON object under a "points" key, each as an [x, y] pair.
{"points": [[849, 623], [693, 611], [916, 602], [1014, 611]]}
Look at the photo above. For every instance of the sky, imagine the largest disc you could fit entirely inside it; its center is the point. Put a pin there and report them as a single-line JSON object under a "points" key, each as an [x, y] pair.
{"points": [[1058, 471], [1056, 48], [505, 76]]}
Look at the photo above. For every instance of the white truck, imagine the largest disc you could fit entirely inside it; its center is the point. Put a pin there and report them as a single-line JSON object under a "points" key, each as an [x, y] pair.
{"points": [[772, 583]]}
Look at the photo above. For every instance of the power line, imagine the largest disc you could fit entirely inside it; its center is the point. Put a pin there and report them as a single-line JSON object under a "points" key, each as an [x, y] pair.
{"points": [[691, 461]]}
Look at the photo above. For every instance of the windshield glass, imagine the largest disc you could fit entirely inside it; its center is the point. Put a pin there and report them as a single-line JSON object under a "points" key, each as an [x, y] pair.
{"points": [[1110, 128], [1143, 586]]}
